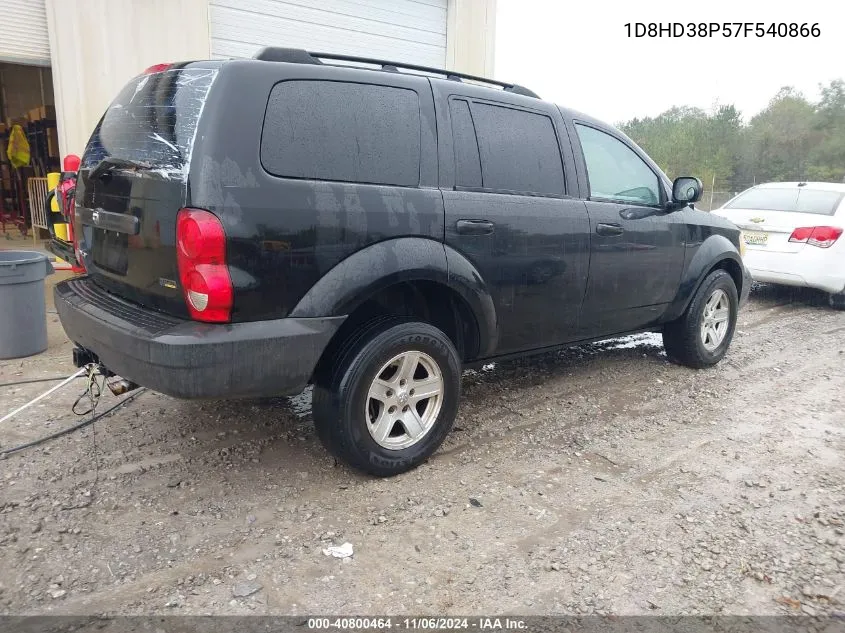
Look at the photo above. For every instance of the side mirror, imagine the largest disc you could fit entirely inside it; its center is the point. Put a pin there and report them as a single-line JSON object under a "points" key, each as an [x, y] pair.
{"points": [[686, 190]]}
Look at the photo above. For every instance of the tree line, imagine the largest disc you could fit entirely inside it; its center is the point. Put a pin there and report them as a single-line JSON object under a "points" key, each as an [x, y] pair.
{"points": [[791, 139]]}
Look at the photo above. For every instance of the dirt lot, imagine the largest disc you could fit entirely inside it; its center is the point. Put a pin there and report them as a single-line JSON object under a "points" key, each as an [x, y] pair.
{"points": [[601, 479]]}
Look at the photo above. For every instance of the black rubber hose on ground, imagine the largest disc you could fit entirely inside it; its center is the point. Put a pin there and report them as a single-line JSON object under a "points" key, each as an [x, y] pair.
{"points": [[75, 427]]}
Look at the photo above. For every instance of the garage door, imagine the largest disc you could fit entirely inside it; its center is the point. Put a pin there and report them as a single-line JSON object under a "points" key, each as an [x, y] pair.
{"points": [[23, 32], [411, 31]]}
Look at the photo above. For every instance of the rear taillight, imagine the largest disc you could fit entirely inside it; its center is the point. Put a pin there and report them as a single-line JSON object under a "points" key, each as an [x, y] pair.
{"points": [[203, 273], [801, 234], [824, 236], [821, 236], [157, 68]]}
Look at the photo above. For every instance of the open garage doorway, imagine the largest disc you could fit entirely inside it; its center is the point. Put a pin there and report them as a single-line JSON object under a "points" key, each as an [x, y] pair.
{"points": [[27, 111]]}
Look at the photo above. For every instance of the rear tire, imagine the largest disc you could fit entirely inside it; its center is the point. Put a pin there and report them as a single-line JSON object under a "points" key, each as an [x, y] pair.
{"points": [[701, 337], [389, 397], [837, 301]]}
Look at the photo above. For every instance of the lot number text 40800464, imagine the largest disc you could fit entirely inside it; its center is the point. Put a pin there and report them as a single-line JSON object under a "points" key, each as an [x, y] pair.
{"points": [[723, 29]]}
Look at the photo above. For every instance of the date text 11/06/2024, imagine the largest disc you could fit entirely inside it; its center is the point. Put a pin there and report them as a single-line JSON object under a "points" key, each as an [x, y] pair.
{"points": [[421, 623], [723, 29]]}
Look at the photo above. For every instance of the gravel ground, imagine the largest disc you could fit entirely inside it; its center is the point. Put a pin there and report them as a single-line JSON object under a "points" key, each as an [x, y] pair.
{"points": [[597, 480]]}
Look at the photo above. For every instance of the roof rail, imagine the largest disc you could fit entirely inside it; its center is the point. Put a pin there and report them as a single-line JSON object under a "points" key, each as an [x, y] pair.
{"points": [[290, 55], [301, 56]]}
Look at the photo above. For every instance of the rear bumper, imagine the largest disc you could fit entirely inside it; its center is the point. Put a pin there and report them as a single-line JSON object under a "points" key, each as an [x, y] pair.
{"points": [[186, 359], [828, 284], [809, 269]]}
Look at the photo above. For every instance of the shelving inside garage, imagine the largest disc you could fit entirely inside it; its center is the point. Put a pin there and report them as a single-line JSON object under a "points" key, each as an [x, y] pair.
{"points": [[26, 99]]}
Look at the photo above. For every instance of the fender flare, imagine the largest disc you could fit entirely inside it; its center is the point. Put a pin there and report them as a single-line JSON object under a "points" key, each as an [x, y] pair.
{"points": [[378, 266], [715, 249]]}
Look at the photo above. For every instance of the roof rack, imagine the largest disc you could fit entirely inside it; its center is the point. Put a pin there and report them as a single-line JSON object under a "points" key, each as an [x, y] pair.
{"points": [[301, 56]]}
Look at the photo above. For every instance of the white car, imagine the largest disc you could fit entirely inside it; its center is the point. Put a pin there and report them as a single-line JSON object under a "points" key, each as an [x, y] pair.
{"points": [[793, 234]]}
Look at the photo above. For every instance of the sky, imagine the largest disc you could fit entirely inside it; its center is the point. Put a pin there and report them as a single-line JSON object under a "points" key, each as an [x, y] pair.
{"points": [[577, 53]]}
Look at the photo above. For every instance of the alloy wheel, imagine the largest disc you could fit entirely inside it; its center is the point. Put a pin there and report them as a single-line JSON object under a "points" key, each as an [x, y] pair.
{"points": [[715, 320], [404, 400]]}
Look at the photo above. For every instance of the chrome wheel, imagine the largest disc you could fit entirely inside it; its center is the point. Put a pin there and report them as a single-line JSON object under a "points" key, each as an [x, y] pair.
{"points": [[715, 320], [404, 400]]}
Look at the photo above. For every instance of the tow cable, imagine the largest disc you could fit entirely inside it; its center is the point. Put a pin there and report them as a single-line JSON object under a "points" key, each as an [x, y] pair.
{"points": [[93, 392]]}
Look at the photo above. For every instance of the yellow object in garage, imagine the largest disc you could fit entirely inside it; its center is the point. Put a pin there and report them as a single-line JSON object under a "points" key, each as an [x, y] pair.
{"points": [[60, 227], [18, 149]]}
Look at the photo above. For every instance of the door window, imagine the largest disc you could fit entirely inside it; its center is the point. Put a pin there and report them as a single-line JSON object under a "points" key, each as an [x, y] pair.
{"points": [[519, 150], [615, 171]]}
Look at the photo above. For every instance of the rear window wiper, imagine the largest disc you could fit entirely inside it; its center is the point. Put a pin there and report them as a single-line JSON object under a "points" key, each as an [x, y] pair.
{"points": [[107, 164]]}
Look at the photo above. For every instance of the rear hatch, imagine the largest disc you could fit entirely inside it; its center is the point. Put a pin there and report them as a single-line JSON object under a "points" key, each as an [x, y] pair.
{"points": [[133, 180], [769, 215]]}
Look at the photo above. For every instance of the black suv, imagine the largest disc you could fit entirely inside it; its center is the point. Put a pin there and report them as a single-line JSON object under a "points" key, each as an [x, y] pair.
{"points": [[252, 226]]}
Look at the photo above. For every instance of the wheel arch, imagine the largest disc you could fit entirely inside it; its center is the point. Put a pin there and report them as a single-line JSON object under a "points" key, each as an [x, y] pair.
{"points": [[421, 274], [716, 252]]}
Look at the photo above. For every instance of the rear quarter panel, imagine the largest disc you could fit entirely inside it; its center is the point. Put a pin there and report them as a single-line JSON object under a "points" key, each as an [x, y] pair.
{"points": [[284, 234]]}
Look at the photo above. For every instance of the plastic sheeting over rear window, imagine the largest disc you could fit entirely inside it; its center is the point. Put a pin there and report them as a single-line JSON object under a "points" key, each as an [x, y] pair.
{"points": [[153, 121], [793, 200]]}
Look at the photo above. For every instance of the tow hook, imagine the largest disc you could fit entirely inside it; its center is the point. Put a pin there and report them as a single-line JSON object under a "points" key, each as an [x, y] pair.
{"points": [[94, 367]]}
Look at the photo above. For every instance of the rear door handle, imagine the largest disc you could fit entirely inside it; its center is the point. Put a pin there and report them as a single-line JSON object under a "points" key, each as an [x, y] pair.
{"points": [[609, 229], [474, 227]]}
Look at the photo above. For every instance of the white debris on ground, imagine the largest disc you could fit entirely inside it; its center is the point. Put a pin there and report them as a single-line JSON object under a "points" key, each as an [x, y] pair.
{"points": [[339, 551]]}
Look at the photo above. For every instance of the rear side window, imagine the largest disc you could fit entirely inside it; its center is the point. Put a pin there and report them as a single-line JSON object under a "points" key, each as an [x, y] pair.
{"points": [[519, 150], [328, 130], [153, 121], [795, 200], [467, 162]]}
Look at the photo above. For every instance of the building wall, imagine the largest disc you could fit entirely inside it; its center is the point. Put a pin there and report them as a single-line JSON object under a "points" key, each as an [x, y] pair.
{"points": [[471, 36], [95, 50], [410, 31]]}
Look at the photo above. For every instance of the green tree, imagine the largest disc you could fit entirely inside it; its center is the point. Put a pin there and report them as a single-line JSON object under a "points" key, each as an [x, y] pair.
{"points": [[781, 136], [827, 157], [689, 141], [791, 139]]}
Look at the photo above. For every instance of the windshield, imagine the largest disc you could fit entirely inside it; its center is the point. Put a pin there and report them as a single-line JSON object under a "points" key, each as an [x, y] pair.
{"points": [[793, 200]]}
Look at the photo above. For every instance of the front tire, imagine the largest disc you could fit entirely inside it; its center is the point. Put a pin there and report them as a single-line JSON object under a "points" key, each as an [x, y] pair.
{"points": [[390, 397], [701, 336], [837, 301]]}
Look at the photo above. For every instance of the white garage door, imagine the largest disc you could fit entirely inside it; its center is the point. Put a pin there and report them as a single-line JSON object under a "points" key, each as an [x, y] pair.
{"points": [[23, 32], [411, 31]]}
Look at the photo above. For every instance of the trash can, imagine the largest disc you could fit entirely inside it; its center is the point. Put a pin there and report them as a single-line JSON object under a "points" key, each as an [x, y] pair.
{"points": [[23, 313]]}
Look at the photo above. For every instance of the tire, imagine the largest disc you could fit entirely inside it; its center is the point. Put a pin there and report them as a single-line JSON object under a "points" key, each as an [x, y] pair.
{"points": [[683, 338], [381, 356], [837, 301]]}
